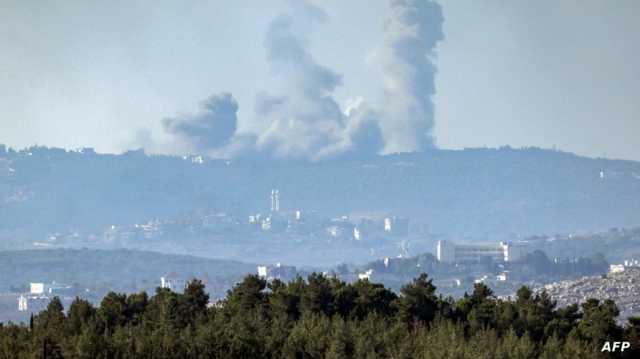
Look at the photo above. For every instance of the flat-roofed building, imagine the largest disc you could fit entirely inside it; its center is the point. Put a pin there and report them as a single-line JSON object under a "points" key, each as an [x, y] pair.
{"points": [[449, 252]]}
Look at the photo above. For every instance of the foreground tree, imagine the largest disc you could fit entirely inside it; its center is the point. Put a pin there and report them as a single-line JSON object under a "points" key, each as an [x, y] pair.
{"points": [[320, 317]]}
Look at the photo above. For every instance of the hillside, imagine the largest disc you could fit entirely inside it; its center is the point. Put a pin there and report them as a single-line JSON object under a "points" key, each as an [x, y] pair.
{"points": [[478, 192]]}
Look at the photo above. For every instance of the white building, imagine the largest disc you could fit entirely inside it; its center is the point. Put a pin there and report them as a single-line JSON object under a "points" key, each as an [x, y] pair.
{"points": [[366, 275], [275, 200], [277, 271], [32, 303], [449, 252], [396, 226], [23, 304], [36, 288], [357, 233], [616, 268], [173, 282], [514, 252], [263, 272]]}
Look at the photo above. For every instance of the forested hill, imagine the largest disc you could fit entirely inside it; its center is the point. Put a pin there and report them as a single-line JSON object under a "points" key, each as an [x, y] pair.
{"points": [[477, 192]]}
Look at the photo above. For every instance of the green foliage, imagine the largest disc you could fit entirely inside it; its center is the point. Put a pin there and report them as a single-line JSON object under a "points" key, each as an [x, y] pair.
{"points": [[319, 317]]}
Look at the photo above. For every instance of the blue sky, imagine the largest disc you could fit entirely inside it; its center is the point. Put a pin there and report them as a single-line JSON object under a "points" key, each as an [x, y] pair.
{"points": [[519, 73]]}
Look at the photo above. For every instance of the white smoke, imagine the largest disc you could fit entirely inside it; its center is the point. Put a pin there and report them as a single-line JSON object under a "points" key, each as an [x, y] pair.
{"points": [[412, 31], [306, 121]]}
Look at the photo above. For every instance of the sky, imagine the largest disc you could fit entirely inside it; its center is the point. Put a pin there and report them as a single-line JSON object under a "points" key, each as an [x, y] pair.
{"points": [[121, 75]]}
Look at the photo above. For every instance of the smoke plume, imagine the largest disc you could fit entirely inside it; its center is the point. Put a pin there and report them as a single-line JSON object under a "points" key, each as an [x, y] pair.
{"points": [[306, 121], [210, 128], [412, 31]]}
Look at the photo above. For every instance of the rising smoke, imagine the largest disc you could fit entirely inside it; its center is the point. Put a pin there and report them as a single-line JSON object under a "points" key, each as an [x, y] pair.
{"points": [[306, 121], [412, 32], [211, 128]]}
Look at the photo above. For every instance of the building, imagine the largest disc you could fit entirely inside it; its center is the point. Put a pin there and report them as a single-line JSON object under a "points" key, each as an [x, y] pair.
{"points": [[357, 233], [616, 268], [448, 252], [274, 223], [36, 288], [263, 272], [32, 302], [275, 200], [53, 289], [277, 271], [173, 282], [23, 305], [365, 275], [514, 252], [396, 226], [340, 228]]}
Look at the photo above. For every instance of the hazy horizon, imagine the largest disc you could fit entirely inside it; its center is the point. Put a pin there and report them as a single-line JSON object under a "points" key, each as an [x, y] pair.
{"points": [[128, 76]]}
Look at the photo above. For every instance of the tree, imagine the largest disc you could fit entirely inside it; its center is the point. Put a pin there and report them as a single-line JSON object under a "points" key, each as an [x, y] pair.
{"points": [[80, 312], [598, 322], [192, 303], [317, 296], [371, 298], [632, 335], [248, 294], [341, 342], [418, 301], [136, 304], [325, 318], [112, 311]]}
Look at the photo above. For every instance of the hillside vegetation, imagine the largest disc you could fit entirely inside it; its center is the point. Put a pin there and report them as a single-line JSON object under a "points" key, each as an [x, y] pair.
{"points": [[476, 192]]}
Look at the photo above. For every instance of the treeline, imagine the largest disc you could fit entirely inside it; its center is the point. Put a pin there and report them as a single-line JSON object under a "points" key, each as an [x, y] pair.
{"points": [[320, 317]]}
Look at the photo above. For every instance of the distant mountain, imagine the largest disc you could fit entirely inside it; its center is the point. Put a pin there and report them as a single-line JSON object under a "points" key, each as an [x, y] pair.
{"points": [[481, 193]]}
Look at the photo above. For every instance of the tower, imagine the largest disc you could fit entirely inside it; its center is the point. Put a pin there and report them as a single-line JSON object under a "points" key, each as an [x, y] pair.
{"points": [[275, 200]]}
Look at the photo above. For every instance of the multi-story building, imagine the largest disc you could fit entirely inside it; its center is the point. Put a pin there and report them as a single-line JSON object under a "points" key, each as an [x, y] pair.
{"points": [[449, 252]]}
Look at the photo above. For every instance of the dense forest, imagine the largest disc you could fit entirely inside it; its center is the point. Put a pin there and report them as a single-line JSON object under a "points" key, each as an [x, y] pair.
{"points": [[320, 317]]}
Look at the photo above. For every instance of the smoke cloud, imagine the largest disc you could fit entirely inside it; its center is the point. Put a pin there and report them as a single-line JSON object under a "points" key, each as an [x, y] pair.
{"points": [[306, 121], [209, 129], [412, 31]]}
